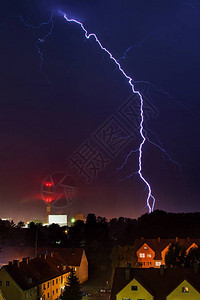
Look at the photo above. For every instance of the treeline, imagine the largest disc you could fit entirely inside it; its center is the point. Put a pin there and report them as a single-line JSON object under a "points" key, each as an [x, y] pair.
{"points": [[102, 238]]}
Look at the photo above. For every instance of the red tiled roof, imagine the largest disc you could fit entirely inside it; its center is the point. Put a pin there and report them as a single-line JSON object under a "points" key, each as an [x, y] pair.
{"points": [[159, 286], [39, 270], [71, 257]]}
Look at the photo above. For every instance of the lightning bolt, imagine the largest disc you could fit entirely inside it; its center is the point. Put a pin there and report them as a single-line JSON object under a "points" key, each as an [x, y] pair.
{"points": [[130, 80], [41, 40]]}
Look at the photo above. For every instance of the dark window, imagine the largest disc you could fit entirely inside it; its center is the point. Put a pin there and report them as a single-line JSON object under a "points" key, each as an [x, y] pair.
{"points": [[53, 282], [0, 282], [53, 293], [134, 288], [48, 285], [44, 287], [56, 290], [56, 280], [48, 295], [7, 283]]}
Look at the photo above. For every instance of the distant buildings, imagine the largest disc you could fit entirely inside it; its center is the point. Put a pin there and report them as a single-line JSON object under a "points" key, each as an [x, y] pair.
{"points": [[155, 284], [151, 252]]}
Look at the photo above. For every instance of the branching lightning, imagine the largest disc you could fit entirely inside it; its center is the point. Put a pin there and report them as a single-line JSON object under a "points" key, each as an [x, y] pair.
{"points": [[41, 40], [142, 133], [132, 83]]}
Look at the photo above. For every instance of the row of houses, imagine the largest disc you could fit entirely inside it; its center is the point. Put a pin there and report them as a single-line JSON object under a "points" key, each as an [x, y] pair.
{"points": [[151, 252], [43, 277], [155, 284]]}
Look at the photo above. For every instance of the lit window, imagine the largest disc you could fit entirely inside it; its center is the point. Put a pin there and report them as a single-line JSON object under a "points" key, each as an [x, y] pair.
{"points": [[142, 255], [148, 255], [7, 283], [185, 289], [134, 288], [145, 247], [157, 263]]}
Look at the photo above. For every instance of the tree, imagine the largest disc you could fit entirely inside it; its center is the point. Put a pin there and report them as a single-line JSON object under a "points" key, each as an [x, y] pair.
{"points": [[175, 256], [20, 224], [193, 257], [121, 255], [72, 289]]}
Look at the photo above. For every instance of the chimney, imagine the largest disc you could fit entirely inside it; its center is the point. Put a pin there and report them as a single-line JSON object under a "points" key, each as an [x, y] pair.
{"points": [[176, 239], [196, 268], [158, 239], [16, 262], [128, 271], [26, 260], [162, 270]]}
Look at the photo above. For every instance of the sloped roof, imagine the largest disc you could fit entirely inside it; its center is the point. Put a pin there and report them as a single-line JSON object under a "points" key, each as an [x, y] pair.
{"points": [[158, 245], [156, 284], [70, 257], [39, 270]]}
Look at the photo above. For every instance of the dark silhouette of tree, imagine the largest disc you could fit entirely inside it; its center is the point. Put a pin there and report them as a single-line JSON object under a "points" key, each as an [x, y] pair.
{"points": [[193, 257], [175, 257], [20, 224], [72, 290], [121, 255]]}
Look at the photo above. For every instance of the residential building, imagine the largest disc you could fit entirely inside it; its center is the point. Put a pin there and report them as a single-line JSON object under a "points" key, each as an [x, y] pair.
{"points": [[155, 284], [74, 257], [32, 279], [151, 252]]}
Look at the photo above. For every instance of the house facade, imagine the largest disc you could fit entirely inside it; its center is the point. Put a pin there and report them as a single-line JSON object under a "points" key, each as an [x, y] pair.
{"points": [[151, 252], [155, 284]]}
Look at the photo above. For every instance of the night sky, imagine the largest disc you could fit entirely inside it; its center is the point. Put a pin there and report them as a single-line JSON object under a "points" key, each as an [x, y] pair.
{"points": [[59, 92]]}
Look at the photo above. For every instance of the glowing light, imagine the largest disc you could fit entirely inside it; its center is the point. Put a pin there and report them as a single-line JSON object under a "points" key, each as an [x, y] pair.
{"points": [[73, 220], [48, 184], [130, 81], [48, 199]]}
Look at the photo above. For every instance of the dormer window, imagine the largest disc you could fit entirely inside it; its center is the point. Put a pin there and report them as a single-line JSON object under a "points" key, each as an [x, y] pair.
{"points": [[185, 289]]}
